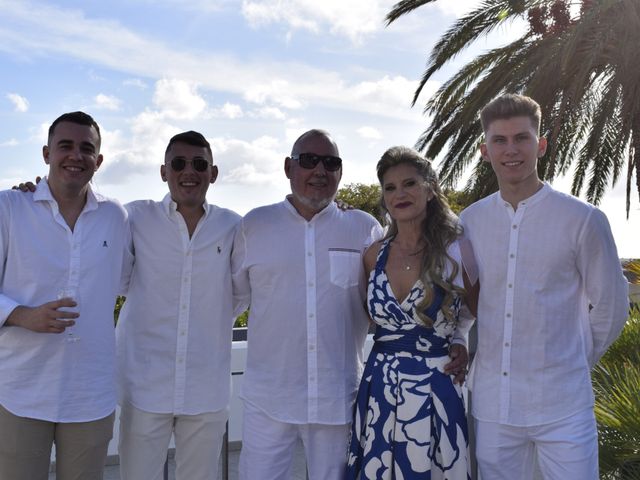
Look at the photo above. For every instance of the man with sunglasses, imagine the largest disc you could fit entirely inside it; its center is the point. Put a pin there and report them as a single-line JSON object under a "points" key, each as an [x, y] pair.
{"points": [[174, 331], [298, 263]]}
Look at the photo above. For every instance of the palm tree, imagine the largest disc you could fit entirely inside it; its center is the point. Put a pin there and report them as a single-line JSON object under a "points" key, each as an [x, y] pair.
{"points": [[578, 59]]}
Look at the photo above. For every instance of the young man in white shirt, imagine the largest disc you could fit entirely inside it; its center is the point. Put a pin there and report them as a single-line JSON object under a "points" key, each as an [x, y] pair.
{"points": [[61, 248], [175, 328], [552, 299], [299, 265]]}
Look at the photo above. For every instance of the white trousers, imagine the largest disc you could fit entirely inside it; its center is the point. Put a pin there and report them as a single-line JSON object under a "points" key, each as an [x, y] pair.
{"points": [[268, 447], [145, 437], [566, 449]]}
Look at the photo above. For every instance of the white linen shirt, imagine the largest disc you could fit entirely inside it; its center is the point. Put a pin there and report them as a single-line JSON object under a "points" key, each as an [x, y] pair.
{"points": [[540, 268], [307, 322], [44, 376], [175, 329]]}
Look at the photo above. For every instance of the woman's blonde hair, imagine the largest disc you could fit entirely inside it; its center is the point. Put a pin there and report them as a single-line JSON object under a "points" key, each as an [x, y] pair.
{"points": [[438, 230]]}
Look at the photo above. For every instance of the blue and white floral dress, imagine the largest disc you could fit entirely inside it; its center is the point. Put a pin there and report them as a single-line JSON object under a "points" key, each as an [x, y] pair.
{"points": [[409, 421]]}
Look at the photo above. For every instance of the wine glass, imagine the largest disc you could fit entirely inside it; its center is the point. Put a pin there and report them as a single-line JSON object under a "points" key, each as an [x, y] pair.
{"points": [[69, 292]]}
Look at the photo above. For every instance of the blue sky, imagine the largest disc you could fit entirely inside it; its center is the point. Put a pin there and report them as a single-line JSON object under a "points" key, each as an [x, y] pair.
{"points": [[251, 75]]}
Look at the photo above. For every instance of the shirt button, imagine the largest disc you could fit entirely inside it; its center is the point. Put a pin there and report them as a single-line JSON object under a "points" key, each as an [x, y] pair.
{"points": [[311, 315], [510, 285], [505, 373], [180, 360], [506, 344], [312, 347], [309, 254], [508, 315], [512, 256], [182, 333], [515, 226], [184, 307], [311, 284]]}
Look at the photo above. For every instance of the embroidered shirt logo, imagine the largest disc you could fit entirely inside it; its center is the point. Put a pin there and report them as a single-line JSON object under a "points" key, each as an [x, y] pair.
{"points": [[219, 249], [104, 244]]}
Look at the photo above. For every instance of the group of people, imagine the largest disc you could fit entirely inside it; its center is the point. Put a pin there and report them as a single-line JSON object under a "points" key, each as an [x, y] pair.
{"points": [[537, 268]]}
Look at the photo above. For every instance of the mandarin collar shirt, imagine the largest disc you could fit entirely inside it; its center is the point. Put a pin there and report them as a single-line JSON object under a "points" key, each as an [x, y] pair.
{"points": [[44, 376], [307, 324], [175, 329], [541, 267]]}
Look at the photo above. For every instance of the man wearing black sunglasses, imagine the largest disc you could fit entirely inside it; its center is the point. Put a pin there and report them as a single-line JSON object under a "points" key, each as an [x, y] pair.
{"points": [[299, 265], [174, 331]]}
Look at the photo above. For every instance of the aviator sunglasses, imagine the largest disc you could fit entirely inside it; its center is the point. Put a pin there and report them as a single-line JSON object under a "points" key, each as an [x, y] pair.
{"points": [[199, 164], [310, 160]]}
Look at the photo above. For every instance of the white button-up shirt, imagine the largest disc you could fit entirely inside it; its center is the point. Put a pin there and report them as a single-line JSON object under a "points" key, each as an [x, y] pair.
{"points": [[307, 322], [540, 268], [174, 331], [42, 375]]}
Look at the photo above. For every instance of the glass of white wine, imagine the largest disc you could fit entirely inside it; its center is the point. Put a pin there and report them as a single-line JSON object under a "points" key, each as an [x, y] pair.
{"points": [[68, 292]]}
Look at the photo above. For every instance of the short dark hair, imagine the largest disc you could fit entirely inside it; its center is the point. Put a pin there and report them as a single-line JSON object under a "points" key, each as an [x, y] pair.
{"points": [[508, 106], [190, 138], [79, 118]]}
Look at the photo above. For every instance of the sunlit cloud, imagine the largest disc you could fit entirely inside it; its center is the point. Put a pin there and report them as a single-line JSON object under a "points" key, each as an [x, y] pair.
{"points": [[20, 103], [354, 19], [369, 133], [107, 102], [135, 82], [178, 99], [10, 143]]}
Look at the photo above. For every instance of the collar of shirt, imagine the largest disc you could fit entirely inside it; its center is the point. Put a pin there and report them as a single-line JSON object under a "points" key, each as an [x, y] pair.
{"points": [[171, 207], [329, 209], [532, 200], [43, 194]]}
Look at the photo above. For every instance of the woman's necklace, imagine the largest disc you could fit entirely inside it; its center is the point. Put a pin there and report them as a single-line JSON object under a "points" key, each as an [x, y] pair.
{"points": [[408, 260]]}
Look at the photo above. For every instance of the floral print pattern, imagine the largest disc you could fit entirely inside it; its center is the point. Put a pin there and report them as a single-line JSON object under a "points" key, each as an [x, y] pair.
{"points": [[409, 421]]}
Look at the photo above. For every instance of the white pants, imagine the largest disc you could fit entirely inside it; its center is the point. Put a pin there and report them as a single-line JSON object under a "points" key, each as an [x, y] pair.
{"points": [[566, 449], [268, 447], [145, 436]]}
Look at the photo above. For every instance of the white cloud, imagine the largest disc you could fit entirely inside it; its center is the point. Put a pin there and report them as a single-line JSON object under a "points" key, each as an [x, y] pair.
{"points": [[229, 110], [457, 7], [10, 143], [107, 102], [178, 99], [268, 113], [369, 133], [353, 19], [135, 82], [257, 162], [20, 103], [44, 30], [276, 91]]}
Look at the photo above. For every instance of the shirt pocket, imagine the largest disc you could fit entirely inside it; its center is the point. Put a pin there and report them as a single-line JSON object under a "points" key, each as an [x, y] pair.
{"points": [[345, 267]]}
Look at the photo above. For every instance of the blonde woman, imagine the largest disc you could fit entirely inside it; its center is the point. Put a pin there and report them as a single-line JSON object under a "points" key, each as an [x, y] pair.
{"points": [[410, 419]]}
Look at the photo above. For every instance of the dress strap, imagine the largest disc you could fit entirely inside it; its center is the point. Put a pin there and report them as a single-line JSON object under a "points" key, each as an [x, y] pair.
{"points": [[383, 254]]}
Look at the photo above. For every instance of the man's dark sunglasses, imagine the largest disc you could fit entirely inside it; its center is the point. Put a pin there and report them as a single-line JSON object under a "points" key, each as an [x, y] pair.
{"points": [[310, 160], [199, 164]]}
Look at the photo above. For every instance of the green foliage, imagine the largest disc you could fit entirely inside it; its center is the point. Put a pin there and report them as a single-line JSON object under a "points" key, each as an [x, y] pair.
{"points": [[118, 306], [367, 198], [241, 321], [616, 382], [363, 197], [580, 65]]}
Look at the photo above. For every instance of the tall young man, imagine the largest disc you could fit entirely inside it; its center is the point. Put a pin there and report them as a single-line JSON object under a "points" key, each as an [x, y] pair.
{"points": [[61, 247], [552, 299]]}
